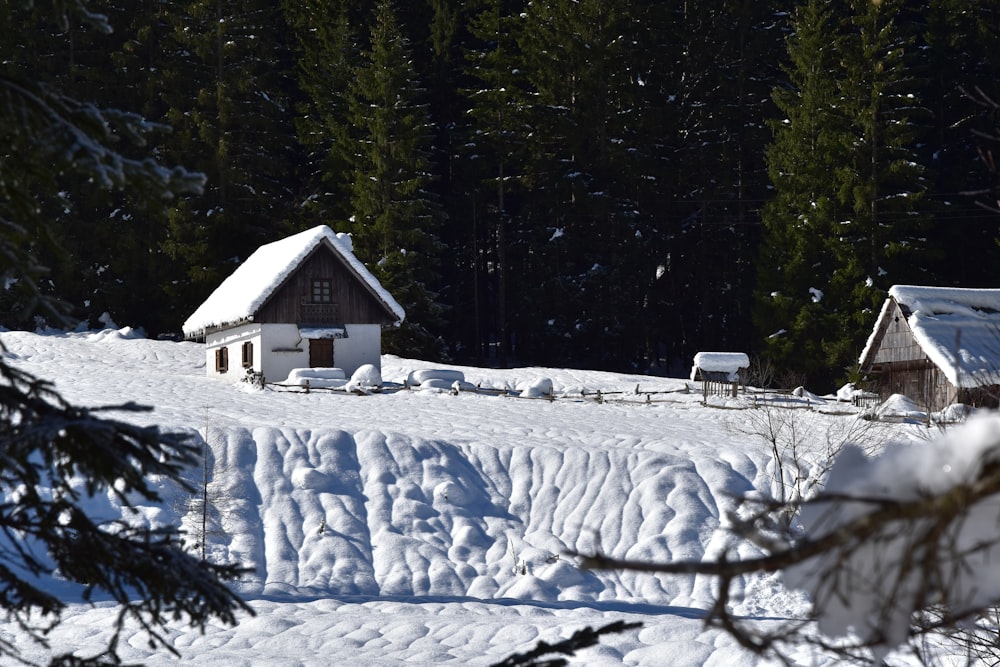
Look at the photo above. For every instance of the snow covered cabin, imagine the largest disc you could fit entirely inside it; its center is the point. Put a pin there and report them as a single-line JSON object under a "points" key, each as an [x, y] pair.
{"points": [[303, 301], [937, 346], [720, 372]]}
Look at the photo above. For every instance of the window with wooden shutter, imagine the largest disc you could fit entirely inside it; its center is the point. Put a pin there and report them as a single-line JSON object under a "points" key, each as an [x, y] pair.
{"points": [[248, 355], [222, 360]]}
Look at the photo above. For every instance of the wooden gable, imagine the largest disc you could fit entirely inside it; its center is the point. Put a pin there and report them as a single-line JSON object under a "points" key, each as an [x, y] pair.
{"points": [[896, 343], [900, 366], [343, 298]]}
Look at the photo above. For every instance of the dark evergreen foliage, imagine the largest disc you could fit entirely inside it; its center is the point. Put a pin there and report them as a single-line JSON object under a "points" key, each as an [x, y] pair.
{"points": [[615, 186], [231, 94], [57, 460], [395, 217]]}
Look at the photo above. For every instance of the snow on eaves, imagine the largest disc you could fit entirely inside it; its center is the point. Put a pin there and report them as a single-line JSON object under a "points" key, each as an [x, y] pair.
{"points": [[873, 336], [957, 328], [247, 289]]}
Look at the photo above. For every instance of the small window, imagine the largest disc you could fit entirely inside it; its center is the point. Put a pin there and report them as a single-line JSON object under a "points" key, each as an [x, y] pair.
{"points": [[248, 355], [322, 290], [222, 360]]}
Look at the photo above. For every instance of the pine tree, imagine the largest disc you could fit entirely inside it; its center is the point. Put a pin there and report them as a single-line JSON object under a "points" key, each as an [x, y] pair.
{"points": [[395, 216], [723, 62], [72, 224], [959, 58], [498, 99], [883, 182], [840, 235], [804, 211], [448, 40]]}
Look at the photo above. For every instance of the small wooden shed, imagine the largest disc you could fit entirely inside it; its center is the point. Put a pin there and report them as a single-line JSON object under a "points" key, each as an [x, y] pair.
{"points": [[720, 373], [305, 301], [936, 346]]}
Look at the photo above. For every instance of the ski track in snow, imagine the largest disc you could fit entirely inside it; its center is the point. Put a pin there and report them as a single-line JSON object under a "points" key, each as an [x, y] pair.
{"points": [[423, 527]]}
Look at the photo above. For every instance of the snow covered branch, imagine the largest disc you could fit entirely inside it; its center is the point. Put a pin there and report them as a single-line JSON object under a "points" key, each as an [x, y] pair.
{"points": [[897, 546]]}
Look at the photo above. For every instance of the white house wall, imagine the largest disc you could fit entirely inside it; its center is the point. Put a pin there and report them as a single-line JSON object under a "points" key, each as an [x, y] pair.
{"points": [[362, 345], [280, 348], [283, 349], [233, 339]]}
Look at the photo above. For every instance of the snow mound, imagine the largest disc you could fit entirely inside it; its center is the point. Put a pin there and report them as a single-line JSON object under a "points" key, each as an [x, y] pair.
{"points": [[802, 392], [954, 413], [364, 379], [848, 392], [537, 388], [898, 405], [367, 375], [317, 377], [439, 377]]}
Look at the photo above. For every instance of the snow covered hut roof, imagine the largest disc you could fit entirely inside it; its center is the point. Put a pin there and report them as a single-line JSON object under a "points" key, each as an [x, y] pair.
{"points": [[247, 289], [729, 363], [957, 328]]}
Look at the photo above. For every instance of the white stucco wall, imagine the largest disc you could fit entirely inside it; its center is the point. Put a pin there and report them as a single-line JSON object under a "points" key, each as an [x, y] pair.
{"points": [[283, 349], [363, 345], [280, 348], [233, 339]]}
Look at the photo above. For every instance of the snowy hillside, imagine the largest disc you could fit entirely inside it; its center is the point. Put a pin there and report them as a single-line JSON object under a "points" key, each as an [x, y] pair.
{"points": [[422, 526]]}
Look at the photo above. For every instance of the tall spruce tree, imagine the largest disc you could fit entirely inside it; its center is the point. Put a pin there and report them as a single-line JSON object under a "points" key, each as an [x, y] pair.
{"points": [[847, 220], [395, 215], [960, 59], [805, 210], [103, 241], [449, 38], [131, 233], [724, 62], [885, 178]]}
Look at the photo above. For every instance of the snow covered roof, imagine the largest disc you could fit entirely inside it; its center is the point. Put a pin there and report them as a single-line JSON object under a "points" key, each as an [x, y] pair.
{"points": [[957, 328], [720, 362], [247, 289]]}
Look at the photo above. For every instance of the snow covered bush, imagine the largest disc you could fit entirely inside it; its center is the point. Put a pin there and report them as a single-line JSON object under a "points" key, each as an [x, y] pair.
{"points": [[803, 444], [917, 529]]}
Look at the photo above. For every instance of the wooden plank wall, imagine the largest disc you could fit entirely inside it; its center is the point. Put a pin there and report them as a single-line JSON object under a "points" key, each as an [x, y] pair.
{"points": [[354, 302], [898, 344]]}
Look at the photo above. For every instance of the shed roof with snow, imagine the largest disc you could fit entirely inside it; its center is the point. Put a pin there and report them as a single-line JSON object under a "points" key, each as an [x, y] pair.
{"points": [[719, 365], [958, 329], [242, 295]]}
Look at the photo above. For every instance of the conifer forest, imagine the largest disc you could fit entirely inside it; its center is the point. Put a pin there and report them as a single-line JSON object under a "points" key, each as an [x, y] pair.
{"points": [[568, 183]]}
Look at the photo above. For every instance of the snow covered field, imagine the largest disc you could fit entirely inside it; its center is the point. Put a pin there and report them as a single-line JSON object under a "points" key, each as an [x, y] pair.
{"points": [[422, 527]]}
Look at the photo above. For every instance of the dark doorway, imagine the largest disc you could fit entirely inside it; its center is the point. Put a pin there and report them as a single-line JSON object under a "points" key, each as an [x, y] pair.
{"points": [[320, 353]]}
